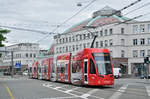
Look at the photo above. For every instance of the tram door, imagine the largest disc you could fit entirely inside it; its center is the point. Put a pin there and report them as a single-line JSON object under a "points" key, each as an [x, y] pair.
{"points": [[85, 71]]}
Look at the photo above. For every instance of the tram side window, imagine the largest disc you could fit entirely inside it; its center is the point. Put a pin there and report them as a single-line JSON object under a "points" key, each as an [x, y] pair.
{"points": [[77, 66], [39, 69], [44, 69], [47, 69], [66, 68], [53, 68], [92, 67], [62, 69], [58, 68]]}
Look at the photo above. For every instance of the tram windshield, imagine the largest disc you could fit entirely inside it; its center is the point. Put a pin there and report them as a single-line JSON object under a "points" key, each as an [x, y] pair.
{"points": [[103, 63]]}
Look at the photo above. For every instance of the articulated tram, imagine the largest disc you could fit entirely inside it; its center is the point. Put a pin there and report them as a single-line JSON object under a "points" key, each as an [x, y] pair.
{"points": [[91, 66]]}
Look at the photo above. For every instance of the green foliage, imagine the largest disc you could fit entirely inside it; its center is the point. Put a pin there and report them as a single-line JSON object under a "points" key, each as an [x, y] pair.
{"points": [[2, 38]]}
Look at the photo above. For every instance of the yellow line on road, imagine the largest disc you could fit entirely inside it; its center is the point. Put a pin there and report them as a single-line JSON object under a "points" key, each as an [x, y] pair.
{"points": [[9, 92]]}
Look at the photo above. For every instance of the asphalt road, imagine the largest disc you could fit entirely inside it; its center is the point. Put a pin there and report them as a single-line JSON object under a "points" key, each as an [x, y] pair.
{"points": [[24, 88]]}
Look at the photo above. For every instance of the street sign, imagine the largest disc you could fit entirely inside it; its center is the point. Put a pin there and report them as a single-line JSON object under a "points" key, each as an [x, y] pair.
{"points": [[18, 65]]}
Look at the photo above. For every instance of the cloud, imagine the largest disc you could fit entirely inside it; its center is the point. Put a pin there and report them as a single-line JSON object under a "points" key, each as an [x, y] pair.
{"points": [[45, 15]]}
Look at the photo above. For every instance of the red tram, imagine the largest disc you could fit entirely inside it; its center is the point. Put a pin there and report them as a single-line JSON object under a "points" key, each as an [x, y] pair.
{"points": [[91, 66]]}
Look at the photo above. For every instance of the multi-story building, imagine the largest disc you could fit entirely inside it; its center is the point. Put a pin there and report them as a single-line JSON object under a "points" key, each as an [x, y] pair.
{"points": [[128, 41], [23, 53]]}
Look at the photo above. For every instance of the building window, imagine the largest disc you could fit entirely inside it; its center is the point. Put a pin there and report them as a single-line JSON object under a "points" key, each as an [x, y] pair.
{"points": [[88, 45], [135, 28], [60, 49], [26, 54], [80, 37], [142, 53], [142, 28], [76, 37], [63, 49], [101, 33], [84, 36], [148, 27], [63, 40], [135, 53], [34, 55], [122, 42], [101, 43], [110, 31], [69, 48], [66, 48], [88, 35], [73, 48], [73, 38], [106, 43], [76, 47], [122, 30], [148, 52], [134, 41], [69, 39], [84, 45], [122, 53], [66, 40], [110, 42], [105, 32], [148, 41], [60, 40], [142, 41], [80, 46], [96, 44]]}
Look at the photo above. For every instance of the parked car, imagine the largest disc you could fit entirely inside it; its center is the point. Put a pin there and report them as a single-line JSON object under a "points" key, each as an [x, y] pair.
{"points": [[117, 72], [6, 73], [25, 73]]}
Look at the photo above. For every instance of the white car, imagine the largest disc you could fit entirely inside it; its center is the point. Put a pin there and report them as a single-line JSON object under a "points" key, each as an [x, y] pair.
{"points": [[117, 72], [25, 73]]}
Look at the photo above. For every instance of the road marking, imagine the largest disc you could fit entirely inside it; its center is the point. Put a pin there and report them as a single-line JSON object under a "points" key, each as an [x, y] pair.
{"points": [[148, 90], [9, 92], [84, 96], [60, 98], [56, 88], [72, 89], [117, 94]]}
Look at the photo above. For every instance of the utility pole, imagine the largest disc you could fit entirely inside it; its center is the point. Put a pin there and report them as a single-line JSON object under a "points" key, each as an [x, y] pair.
{"points": [[12, 64]]}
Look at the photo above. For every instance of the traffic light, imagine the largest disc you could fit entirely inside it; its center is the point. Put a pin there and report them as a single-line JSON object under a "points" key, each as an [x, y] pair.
{"points": [[146, 60]]}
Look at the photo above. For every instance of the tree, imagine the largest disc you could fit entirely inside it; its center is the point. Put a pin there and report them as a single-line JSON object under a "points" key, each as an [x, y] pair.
{"points": [[2, 38]]}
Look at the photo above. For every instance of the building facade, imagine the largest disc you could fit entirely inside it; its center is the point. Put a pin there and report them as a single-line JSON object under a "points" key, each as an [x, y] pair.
{"points": [[23, 54], [128, 41]]}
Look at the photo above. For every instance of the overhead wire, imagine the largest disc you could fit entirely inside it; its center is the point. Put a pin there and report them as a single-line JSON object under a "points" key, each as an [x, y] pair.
{"points": [[133, 3], [67, 20], [24, 29], [138, 8]]}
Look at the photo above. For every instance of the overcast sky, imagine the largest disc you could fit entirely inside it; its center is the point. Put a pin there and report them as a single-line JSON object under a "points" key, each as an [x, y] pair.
{"points": [[45, 15]]}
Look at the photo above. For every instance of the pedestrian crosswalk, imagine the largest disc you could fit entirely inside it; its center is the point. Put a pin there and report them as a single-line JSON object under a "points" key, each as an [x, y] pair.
{"points": [[125, 91]]}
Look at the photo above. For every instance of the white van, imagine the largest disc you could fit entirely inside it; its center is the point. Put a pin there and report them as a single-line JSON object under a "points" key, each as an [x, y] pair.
{"points": [[117, 72]]}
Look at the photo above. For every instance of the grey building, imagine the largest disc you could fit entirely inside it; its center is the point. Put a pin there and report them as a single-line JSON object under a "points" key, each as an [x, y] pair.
{"points": [[128, 41]]}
